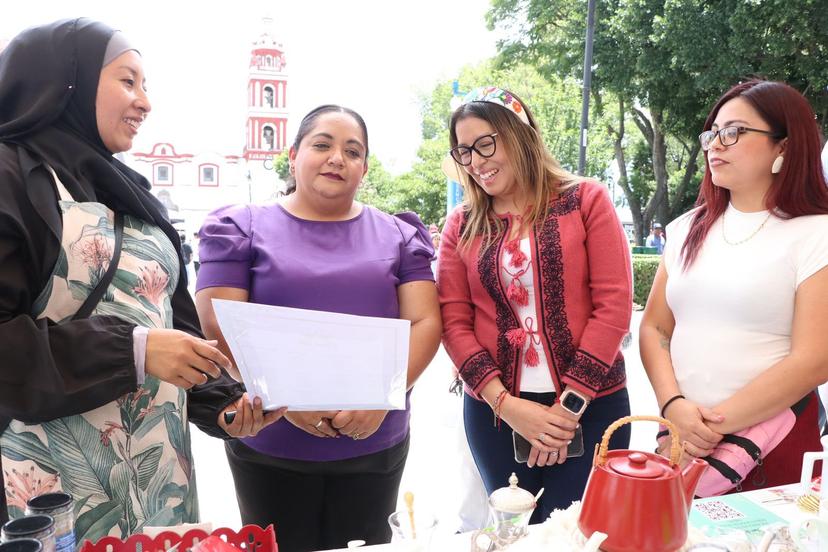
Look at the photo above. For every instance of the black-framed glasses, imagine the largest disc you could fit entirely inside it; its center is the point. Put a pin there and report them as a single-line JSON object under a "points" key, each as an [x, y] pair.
{"points": [[485, 146], [728, 135]]}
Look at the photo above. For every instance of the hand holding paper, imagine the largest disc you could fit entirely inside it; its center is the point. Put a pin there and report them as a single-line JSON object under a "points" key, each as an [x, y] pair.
{"points": [[313, 360]]}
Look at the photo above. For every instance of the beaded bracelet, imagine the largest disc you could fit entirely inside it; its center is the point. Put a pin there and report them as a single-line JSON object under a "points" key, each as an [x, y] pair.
{"points": [[669, 402]]}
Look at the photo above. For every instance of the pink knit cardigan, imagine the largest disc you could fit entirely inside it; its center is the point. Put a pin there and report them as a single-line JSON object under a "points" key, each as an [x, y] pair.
{"points": [[583, 284]]}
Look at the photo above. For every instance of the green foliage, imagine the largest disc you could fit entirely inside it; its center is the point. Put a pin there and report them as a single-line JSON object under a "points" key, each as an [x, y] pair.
{"points": [[667, 61], [436, 110], [772, 38], [378, 187], [423, 189], [644, 271], [642, 179], [677, 55], [281, 164]]}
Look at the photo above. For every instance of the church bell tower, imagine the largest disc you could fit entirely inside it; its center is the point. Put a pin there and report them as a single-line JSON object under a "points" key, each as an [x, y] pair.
{"points": [[267, 112]]}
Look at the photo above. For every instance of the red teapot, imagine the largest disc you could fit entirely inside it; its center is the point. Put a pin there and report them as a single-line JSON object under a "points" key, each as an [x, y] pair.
{"points": [[641, 500]]}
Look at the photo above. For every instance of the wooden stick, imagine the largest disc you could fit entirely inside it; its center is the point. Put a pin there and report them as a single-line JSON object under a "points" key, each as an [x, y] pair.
{"points": [[409, 503]]}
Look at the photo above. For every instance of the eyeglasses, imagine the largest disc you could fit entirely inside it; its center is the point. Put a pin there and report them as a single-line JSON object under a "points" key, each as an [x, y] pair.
{"points": [[728, 135], [485, 146]]}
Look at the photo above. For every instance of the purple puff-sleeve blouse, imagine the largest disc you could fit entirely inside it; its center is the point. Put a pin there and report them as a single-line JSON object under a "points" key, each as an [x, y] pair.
{"points": [[352, 267]]}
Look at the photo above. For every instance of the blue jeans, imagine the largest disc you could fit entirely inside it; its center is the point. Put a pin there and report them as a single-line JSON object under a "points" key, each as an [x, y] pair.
{"points": [[494, 455]]}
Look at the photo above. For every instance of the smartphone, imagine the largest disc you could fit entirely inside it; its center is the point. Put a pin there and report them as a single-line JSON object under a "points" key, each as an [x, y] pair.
{"points": [[522, 446]]}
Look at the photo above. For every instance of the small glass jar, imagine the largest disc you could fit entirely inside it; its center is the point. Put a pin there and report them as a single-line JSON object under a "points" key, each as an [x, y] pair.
{"points": [[511, 508], [21, 545], [61, 506], [40, 527]]}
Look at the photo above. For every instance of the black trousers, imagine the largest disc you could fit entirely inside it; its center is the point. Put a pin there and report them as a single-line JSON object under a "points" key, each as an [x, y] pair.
{"points": [[318, 505]]}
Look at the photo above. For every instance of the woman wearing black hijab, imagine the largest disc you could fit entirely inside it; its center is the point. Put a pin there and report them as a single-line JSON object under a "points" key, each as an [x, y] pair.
{"points": [[99, 338]]}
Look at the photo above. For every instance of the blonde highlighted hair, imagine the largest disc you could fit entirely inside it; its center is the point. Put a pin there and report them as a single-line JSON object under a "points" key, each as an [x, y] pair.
{"points": [[537, 174]]}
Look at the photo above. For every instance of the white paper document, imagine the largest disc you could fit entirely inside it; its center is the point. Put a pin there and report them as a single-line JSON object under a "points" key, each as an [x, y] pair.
{"points": [[314, 360]]}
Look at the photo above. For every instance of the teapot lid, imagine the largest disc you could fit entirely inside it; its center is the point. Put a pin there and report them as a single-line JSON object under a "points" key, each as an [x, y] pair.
{"points": [[640, 466], [512, 499]]}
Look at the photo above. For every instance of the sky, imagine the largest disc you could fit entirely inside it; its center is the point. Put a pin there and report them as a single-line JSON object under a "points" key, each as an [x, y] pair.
{"points": [[375, 56]]}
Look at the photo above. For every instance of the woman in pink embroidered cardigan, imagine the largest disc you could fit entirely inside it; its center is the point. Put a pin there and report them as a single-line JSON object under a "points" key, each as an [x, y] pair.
{"points": [[535, 291]]}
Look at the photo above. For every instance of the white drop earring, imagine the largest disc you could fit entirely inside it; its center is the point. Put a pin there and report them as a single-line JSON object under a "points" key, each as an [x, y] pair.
{"points": [[777, 164]]}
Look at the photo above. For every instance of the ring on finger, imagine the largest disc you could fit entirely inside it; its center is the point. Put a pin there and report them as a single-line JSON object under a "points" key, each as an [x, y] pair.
{"points": [[542, 437], [319, 424], [355, 436], [553, 453]]}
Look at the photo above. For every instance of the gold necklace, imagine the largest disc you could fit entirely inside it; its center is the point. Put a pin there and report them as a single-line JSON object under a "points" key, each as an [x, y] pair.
{"points": [[740, 242]]}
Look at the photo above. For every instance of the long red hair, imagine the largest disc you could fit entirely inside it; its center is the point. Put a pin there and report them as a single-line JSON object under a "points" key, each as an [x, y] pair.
{"points": [[800, 187]]}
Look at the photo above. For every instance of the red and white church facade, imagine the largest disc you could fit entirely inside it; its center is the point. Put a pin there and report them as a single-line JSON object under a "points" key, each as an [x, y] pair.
{"points": [[193, 184]]}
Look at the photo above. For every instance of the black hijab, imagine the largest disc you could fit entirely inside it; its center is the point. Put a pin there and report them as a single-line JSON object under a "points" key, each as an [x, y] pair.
{"points": [[48, 87]]}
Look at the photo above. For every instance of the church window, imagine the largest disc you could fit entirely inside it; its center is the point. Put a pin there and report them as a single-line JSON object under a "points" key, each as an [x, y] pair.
{"points": [[162, 174], [267, 137], [208, 175]]}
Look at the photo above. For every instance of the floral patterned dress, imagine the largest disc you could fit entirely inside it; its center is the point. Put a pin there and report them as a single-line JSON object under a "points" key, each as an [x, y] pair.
{"points": [[127, 463]]}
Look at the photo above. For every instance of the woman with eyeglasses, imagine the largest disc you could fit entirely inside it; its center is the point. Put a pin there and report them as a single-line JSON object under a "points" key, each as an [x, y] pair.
{"points": [[535, 292], [733, 334]]}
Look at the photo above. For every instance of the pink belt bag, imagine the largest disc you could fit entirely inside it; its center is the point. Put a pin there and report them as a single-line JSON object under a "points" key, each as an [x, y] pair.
{"points": [[737, 454]]}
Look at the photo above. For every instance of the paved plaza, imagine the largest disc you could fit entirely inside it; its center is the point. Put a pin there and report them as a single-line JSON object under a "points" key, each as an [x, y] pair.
{"points": [[435, 462]]}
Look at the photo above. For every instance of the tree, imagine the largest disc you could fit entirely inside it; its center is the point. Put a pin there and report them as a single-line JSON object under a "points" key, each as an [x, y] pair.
{"points": [[281, 164], [666, 62], [423, 188], [378, 187]]}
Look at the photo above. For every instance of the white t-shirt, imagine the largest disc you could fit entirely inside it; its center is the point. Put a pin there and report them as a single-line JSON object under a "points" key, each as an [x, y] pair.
{"points": [[533, 379], [734, 307], [825, 160]]}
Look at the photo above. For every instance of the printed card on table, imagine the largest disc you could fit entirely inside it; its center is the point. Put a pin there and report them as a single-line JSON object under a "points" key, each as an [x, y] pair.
{"points": [[730, 512]]}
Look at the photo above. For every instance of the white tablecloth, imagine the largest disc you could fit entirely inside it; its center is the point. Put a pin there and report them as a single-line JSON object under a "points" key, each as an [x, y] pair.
{"points": [[779, 500]]}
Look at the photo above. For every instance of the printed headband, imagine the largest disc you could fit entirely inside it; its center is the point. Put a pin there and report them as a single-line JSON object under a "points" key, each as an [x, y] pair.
{"points": [[498, 96]]}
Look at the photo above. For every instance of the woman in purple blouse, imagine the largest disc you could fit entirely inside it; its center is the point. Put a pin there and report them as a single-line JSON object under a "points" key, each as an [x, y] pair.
{"points": [[323, 478]]}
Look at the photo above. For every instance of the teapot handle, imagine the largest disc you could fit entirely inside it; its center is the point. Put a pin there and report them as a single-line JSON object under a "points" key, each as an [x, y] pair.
{"points": [[675, 447]]}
